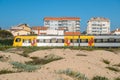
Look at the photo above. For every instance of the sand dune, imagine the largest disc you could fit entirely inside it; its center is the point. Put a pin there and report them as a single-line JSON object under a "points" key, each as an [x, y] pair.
{"points": [[89, 63]]}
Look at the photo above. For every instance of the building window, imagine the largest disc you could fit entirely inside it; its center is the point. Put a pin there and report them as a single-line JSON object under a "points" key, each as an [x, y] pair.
{"points": [[47, 22], [93, 24]]}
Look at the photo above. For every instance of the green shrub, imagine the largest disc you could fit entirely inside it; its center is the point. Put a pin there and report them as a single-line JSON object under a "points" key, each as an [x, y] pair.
{"points": [[113, 69], [118, 78], [30, 49], [23, 67], [6, 71], [99, 78], [106, 61], [73, 74], [47, 59], [24, 55], [6, 42]]}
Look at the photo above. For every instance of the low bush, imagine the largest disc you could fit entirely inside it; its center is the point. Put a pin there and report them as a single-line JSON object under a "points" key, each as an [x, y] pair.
{"points": [[99, 78], [113, 69], [106, 61], [81, 55], [73, 74], [41, 61], [6, 42], [23, 67], [118, 65], [118, 78], [6, 71]]}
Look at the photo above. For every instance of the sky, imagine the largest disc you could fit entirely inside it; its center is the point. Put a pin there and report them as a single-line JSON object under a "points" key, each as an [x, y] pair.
{"points": [[32, 12]]}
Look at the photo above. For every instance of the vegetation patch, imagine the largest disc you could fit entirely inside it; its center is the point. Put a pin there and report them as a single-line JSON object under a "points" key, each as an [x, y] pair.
{"points": [[23, 67], [73, 74], [81, 55], [106, 61], [40, 61], [99, 78], [118, 65], [113, 69], [118, 78], [6, 71], [4, 47]]}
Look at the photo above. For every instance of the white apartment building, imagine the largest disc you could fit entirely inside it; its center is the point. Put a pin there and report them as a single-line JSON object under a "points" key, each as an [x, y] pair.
{"points": [[70, 24], [98, 25], [41, 30]]}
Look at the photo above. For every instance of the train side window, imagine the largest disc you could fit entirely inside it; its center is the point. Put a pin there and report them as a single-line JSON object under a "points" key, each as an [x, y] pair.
{"points": [[47, 40], [53, 40], [60, 41], [98, 40], [105, 40], [112, 40], [84, 40], [75, 40], [117, 40], [18, 40], [26, 41], [40, 40]]}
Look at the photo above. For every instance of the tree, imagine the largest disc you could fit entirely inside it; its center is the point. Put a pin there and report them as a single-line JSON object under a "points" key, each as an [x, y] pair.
{"points": [[84, 32], [0, 28], [4, 34]]}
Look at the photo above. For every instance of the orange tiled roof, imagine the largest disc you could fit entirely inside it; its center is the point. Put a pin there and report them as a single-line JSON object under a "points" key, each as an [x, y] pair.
{"points": [[61, 18], [39, 28], [72, 33]]}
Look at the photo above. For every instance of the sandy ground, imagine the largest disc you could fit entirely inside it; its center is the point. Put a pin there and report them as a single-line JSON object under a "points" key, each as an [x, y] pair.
{"points": [[90, 64]]}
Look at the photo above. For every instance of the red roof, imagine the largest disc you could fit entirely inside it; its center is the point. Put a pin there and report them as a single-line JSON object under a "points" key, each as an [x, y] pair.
{"points": [[61, 18], [39, 28], [72, 33]]}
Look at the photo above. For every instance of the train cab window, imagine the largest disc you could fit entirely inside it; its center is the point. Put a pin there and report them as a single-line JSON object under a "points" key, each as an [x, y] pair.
{"points": [[47, 40], [105, 40], [98, 40], [54, 40], [84, 40], [117, 40], [60, 41], [26, 41], [18, 40]]}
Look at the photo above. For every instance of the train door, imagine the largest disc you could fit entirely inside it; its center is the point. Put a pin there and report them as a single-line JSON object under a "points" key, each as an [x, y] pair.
{"points": [[71, 41], [86, 40], [26, 42]]}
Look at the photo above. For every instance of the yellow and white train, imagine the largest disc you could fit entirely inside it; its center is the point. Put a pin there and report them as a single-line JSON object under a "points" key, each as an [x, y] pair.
{"points": [[81, 40]]}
